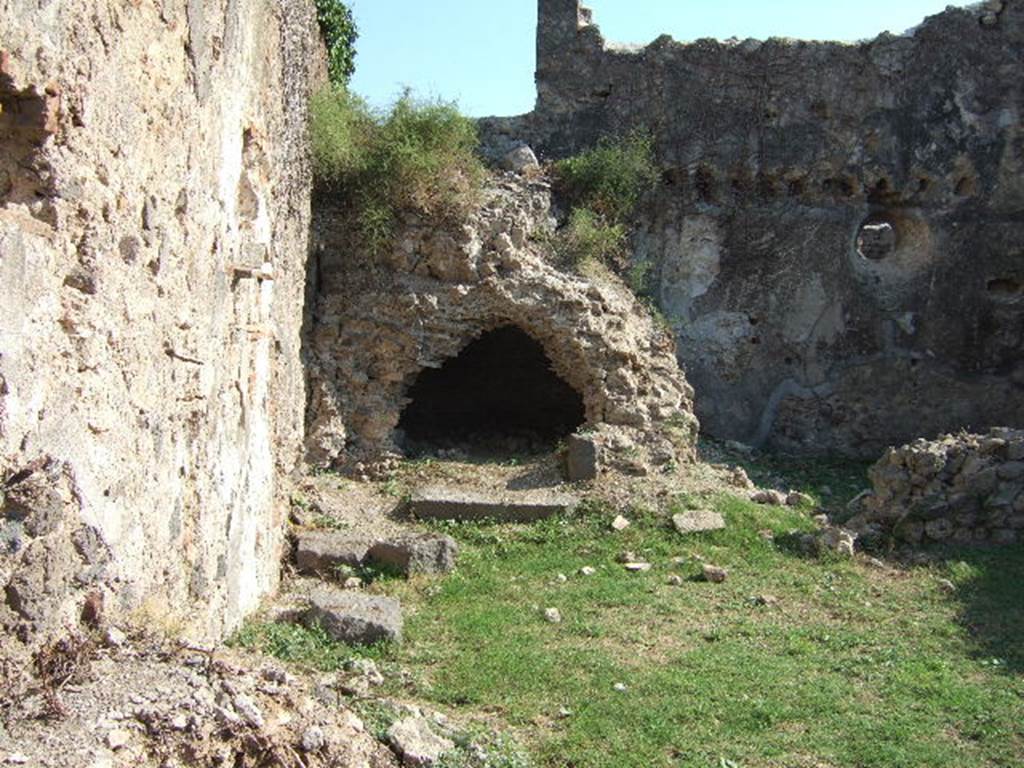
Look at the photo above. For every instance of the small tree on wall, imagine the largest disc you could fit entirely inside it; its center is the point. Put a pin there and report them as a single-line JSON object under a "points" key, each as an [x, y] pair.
{"points": [[340, 34]]}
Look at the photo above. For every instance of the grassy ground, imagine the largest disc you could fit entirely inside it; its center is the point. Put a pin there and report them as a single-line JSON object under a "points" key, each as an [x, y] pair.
{"points": [[846, 665]]}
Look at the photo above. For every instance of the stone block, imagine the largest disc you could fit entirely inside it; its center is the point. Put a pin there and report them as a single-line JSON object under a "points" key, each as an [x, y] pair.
{"points": [[511, 507], [417, 743], [354, 617], [416, 553], [698, 520], [581, 460], [321, 552]]}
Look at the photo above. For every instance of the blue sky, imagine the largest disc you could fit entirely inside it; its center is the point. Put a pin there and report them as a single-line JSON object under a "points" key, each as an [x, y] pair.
{"points": [[480, 53]]}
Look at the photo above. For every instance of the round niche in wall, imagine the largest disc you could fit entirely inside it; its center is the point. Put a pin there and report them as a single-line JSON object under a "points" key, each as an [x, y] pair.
{"points": [[877, 238]]}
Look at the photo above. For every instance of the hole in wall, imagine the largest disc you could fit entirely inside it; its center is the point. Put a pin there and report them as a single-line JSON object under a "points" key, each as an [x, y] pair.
{"points": [[674, 177], [704, 183], [877, 238], [28, 117], [765, 186], [965, 186], [1005, 288], [499, 396], [838, 186]]}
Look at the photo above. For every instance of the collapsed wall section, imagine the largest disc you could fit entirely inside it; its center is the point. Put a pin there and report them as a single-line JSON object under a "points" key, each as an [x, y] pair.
{"points": [[154, 212], [837, 234], [380, 321]]}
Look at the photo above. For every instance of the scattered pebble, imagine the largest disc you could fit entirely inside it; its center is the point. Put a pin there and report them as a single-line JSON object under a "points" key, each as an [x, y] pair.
{"points": [[367, 668], [353, 582], [637, 567], [620, 687], [620, 523], [552, 616], [675, 580], [587, 570], [561, 578], [247, 708], [117, 738], [564, 712], [714, 574], [770, 496], [179, 722], [312, 739], [16, 759], [114, 637]]}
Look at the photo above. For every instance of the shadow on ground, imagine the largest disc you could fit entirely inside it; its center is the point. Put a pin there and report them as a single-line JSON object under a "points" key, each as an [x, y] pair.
{"points": [[991, 590]]}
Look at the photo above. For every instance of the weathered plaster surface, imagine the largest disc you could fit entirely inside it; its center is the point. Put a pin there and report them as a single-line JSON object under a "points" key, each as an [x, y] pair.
{"points": [[152, 261]]}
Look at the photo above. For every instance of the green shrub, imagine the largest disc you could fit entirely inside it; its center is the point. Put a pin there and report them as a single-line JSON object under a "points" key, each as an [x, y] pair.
{"points": [[610, 178], [340, 132], [419, 157], [339, 31], [589, 237]]}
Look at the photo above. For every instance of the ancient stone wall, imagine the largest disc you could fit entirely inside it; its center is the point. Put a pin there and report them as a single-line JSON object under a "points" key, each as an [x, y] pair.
{"points": [[380, 320], [837, 234], [962, 488], [154, 213]]}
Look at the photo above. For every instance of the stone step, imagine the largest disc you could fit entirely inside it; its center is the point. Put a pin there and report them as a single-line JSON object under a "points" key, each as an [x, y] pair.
{"points": [[322, 552], [439, 503], [353, 617]]}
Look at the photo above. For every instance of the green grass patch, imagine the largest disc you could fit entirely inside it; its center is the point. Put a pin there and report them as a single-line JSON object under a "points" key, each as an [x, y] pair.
{"points": [[851, 666], [793, 661], [309, 647]]}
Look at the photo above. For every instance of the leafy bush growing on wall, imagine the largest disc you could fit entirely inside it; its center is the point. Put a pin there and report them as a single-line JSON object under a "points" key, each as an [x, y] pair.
{"points": [[339, 31], [609, 178], [602, 187], [418, 157], [588, 235]]}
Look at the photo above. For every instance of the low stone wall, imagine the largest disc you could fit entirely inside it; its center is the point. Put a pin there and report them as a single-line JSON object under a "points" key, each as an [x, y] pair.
{"points": [[960, 488]]}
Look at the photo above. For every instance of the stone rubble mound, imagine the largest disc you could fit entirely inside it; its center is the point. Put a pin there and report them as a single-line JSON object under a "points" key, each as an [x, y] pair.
{"points": [[962, 488], [147, 702]]}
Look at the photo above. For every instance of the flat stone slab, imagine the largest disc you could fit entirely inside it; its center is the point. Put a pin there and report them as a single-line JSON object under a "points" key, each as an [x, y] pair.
{"points": [[321, 552], [435, 503], [698, 520], [354, 617], [416, 553]]}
